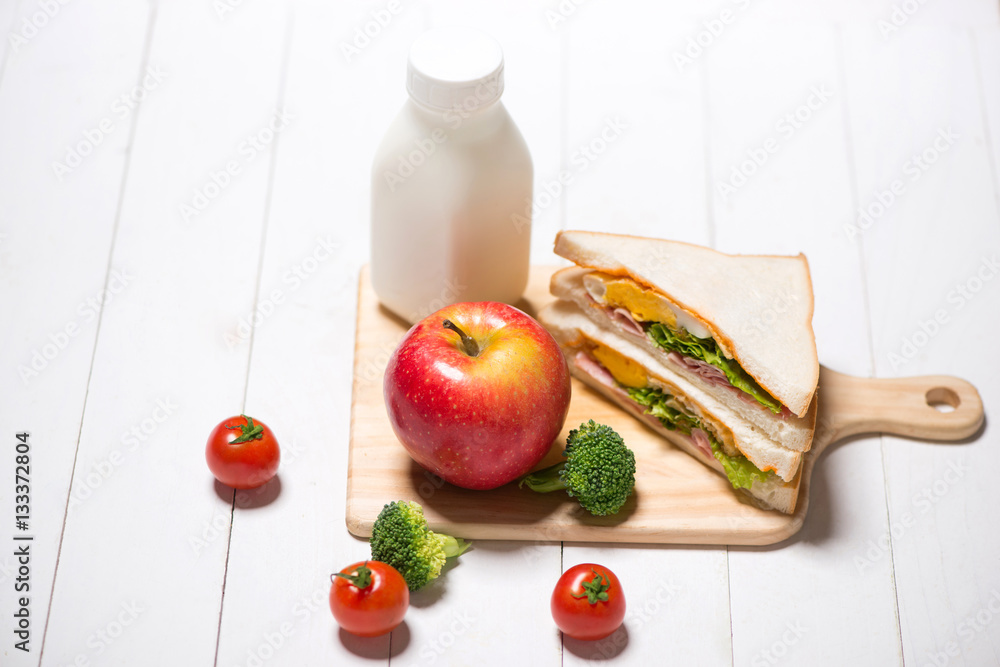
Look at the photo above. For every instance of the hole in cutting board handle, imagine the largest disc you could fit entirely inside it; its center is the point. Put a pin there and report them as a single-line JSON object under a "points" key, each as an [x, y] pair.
{"points": [[943, 399]]}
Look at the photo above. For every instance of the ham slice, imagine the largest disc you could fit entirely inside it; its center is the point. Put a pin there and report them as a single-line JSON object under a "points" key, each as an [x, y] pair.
{"points": [[716, 378], [702, 442], [596, 370], [625, 321], [712, 376], [707, 372]]}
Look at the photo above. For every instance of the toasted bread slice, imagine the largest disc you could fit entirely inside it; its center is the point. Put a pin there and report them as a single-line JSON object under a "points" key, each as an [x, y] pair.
{"points": [[565, 321], [573, 330], [789, 431], [758, 308]]}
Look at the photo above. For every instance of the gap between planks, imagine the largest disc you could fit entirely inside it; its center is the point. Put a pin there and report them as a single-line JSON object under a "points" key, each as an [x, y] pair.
{"points": [[272, 166]]}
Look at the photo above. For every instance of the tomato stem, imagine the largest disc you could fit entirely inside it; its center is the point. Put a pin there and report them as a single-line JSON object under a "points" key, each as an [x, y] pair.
{"points": [[362, 577], [595, 589], [248, 431], [468, 342]]}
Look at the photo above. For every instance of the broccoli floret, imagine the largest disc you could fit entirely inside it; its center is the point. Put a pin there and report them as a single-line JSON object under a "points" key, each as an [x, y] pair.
{"points": [[401, 538], [599, 470]]}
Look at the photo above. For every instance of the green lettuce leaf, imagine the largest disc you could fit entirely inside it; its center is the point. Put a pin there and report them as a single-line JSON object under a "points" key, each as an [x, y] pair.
{"points": [[707, 350], [671, 416], [740, 471]]}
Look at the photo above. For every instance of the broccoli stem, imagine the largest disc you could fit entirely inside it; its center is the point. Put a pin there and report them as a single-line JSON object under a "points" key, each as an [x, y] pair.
{"points": [[545, 480], [454, 546]]}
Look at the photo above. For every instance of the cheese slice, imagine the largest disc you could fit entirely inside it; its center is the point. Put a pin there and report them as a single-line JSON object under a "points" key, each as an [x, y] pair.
{"points": [[631, 373], [645, 305], [622, 369]]}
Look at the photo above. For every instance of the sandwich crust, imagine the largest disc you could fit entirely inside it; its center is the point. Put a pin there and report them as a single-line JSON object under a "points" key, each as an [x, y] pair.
{"points": [[757, 307]]}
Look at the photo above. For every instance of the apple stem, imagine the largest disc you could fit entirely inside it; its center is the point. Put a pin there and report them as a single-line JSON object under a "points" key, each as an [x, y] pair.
{"points": [[469, 343]]}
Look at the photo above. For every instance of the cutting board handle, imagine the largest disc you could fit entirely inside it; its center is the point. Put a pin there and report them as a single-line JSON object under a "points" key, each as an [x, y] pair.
{"points": [[901, 406]]}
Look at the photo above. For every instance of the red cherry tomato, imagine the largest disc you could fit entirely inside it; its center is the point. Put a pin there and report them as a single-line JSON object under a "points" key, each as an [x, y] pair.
{"points": [[588, 602], [369, 599], [242, 452]]}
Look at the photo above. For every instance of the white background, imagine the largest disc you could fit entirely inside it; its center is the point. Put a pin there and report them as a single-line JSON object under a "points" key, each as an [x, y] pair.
{"points": [[123, 338]]}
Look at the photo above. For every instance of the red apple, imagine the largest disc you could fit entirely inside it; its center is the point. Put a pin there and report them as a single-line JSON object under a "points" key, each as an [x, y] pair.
{"points": [[477, 393]]}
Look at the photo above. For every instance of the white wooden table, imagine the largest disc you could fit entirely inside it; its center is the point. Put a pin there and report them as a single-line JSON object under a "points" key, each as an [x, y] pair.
{"points": [[170, 262]]}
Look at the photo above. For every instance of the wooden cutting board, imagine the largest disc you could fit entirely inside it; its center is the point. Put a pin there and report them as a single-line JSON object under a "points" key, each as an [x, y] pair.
{"points": [[677, 499]]}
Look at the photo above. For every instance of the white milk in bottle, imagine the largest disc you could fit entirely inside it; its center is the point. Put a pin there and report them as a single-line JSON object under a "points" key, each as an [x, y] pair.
{"points": [[451, 183]]}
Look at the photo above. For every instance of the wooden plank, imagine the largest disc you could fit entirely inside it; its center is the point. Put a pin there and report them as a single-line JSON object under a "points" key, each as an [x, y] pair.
{"points": [[649, 181], [782, 184], [146, 550], [9, 16], [55, 240], [301, 366], [887, 17], [986, 43], [470, 620], [636, 145], [932, 241]]}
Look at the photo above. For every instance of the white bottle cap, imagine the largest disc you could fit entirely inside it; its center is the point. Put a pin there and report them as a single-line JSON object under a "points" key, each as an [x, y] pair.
{"points": [[451, 68]]}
